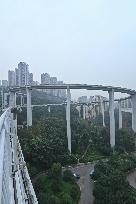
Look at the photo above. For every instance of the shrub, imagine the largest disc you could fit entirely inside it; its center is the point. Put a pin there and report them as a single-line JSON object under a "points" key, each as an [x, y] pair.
{"points": [[56, 185], [52, 200], [66, 199], [75, 192], [42, 199], [40, 184], [68, 176], [56, 171]]}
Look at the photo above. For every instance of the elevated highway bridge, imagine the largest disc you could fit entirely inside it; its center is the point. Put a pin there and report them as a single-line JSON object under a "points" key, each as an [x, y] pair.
{"points": [[15, 183], [110, 89]]}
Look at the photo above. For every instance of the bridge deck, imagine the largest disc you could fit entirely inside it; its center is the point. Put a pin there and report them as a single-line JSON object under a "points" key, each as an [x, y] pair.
{"points": [[76, 86]]}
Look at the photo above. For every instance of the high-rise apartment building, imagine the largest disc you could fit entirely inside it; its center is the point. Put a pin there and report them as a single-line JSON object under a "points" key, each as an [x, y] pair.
{"points": [[11, 78], [23, 74], [45, 78], [5, 83], [61, 92], [16, 77], [31, 79], [35, 83], [83, 99], [53, 80], [126, 103], [91, 98]]}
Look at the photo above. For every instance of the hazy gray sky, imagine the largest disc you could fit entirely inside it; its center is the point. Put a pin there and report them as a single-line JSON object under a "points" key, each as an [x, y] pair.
{"points": [[79, 41]]}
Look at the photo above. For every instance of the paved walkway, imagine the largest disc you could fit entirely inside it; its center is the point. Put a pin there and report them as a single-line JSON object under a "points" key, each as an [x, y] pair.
{"points": [[85, 183], [132, 179]]}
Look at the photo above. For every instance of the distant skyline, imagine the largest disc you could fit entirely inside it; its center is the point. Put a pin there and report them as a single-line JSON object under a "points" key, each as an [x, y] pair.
{"points": [[78, 41], [30, 71]]}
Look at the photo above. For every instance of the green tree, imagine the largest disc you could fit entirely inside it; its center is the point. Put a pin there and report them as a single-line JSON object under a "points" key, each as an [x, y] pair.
{"points": [[111, 186], [56, 174], [66, 199], [68, 176], [125, 140]]}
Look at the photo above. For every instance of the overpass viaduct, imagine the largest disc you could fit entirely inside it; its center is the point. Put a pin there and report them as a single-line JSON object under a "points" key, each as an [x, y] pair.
{"points": [[110, 89], [15, 183]]}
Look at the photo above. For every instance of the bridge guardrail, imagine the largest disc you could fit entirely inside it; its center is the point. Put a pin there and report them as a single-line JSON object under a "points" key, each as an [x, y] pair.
{"points": [[15, 183]]}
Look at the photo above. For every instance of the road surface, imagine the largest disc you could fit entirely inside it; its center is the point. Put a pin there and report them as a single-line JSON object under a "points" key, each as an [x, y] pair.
{"points": [[132, 179], [85, 183]]}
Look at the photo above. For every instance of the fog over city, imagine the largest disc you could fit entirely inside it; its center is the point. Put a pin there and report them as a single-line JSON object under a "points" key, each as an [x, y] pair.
{"points": [[89, 42]]}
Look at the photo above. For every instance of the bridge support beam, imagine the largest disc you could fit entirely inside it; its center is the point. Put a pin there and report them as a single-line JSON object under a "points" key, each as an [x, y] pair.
{"points": [[84, 112], [29, 108], [68, 119], [103, 114], [112, 118], [120, 115], [21, 100], [79, 111], [49, 109], [15, 99], [134, 112], [12, 99]]}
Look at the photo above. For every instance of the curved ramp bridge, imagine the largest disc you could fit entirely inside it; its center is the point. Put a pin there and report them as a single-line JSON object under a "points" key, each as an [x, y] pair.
{"points": [[15, 183]]}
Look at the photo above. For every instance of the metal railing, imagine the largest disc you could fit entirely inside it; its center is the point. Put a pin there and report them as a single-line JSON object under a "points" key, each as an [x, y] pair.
{"points": [[15, 183]]}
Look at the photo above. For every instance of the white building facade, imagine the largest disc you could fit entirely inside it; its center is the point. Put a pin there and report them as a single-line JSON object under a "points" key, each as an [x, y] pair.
{"points": [[23, 69], [11, 78]]}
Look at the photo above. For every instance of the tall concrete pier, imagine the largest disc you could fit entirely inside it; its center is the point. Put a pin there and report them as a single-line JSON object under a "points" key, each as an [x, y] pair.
{"points": [[68, 119], [29, 108], [120, 115], [84, 111], [69, 87], [102, 110], [134, 112], [112, 118], [12, 98]]}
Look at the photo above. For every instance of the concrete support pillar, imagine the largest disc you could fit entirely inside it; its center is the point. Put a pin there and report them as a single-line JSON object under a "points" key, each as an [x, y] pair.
{"points": [[21, 99], [29, 108], [66, 110], [68, 119], [120, 115], [102, 111], [134, 112], [112, 118], [15, 99], [95, 110], [79, 110], [12, 99], [49, 109], [84, 112]]}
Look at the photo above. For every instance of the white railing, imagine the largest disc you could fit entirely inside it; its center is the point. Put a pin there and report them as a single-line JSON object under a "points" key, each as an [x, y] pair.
{"points": [[15, 183]]}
